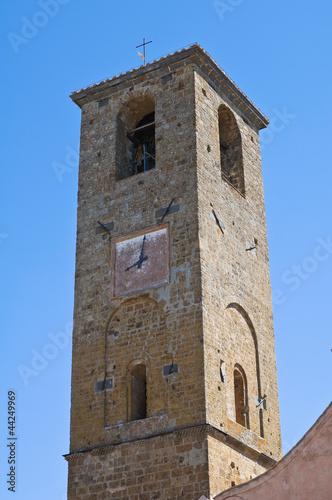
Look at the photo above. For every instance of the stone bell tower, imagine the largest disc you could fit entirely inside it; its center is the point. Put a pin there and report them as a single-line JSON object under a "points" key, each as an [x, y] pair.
{"points": [[174, 387]]}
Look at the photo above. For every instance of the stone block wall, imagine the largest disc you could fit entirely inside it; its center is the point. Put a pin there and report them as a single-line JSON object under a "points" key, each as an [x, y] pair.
{"points": [[161, 325], [237, 307], [173, 466], [229, 466], [215, 311]]}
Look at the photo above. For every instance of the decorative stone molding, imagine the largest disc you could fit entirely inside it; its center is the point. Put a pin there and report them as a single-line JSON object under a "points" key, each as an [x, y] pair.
{"points": [[206, 429]]}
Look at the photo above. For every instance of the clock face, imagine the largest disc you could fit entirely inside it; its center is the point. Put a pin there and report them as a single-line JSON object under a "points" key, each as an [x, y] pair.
{"points": [[140, 261]]}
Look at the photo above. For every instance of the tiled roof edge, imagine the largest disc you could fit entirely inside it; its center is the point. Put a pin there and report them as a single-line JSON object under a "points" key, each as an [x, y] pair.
{"points": [[151, 65]]}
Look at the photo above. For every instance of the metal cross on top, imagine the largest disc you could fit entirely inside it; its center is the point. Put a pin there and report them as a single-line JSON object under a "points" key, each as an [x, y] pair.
{"points": [[142, 56]]}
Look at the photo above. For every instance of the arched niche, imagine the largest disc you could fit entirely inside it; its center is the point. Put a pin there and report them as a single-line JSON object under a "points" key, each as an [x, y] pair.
{"points": [[241, 349], [135, 334]]}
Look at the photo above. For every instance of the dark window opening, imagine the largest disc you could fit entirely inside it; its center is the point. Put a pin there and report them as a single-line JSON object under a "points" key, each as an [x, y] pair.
{"points": [[241, 398], [224, 160], [135, 137], [142, 146], [230, 145], [138, 392]]}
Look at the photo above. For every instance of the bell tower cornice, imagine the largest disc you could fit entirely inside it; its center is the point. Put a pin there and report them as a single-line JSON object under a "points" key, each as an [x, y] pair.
{"points": [[195, 54]]}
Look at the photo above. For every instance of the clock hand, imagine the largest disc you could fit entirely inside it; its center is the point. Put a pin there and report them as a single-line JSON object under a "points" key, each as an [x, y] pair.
{"points": [[133, 265], [142, 249], [141, 258], [138, 263]]}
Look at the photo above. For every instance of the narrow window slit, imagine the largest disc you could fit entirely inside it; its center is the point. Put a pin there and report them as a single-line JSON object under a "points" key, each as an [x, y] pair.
{"points": [[241, 397], [230, 146], [138, 392]]}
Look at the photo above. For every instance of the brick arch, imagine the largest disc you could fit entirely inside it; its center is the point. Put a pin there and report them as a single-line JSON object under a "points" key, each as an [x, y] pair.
{"points": [[244, 351], [132, 110], [116, 307], [135, 333], [143, 360], [130, 308], [247, 319]]}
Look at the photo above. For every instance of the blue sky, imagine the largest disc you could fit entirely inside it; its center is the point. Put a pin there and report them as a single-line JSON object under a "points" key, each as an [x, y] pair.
{"points": [[278, 53]]}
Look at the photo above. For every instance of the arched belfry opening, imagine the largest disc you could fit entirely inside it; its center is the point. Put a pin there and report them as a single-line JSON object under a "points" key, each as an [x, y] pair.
{"points": [[241, 397], [230, 149], [138, 392], [135, 144], [143, 149]]}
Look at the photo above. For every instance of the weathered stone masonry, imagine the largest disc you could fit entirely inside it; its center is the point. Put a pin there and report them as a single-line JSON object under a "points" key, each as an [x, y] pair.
{"points": [[213, 317]]}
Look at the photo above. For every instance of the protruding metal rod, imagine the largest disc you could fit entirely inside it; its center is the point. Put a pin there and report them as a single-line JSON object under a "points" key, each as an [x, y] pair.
{"points": [[143, 45]]}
